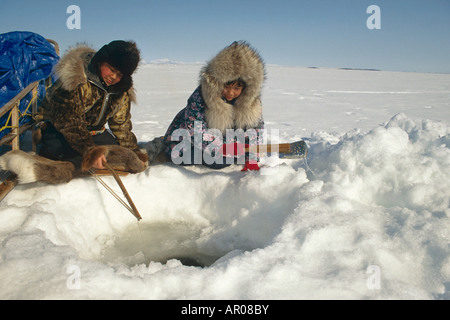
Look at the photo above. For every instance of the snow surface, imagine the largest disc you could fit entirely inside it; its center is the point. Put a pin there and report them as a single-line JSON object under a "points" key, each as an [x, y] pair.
{"points": [[366, 217]]}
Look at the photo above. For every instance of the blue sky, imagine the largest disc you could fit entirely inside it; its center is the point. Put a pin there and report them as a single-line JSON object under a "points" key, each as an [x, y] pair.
{"points": [[414, 34]]}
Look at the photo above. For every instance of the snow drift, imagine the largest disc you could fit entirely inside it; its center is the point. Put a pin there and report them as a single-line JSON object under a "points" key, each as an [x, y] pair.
{"points": [[365, 217]]}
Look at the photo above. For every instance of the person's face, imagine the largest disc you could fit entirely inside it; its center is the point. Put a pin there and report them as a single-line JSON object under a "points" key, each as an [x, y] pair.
{"points": [[231, 91], [110, 74]]}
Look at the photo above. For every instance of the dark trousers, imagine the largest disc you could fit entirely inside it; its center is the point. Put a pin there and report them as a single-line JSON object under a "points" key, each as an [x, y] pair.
{"points": [[55, 147]]}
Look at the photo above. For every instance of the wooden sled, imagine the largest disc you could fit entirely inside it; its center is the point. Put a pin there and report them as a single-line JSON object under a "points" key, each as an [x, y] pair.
{"points": [[7, 182], [7, 179], [12, 108]]}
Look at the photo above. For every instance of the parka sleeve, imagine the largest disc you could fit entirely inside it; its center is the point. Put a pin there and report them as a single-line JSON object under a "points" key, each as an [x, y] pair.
{"points": [[121, 125], [68, 118], [191, 121]]}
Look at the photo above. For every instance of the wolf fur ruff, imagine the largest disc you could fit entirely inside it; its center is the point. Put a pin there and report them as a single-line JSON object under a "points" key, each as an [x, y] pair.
{"points": [[237, 61]]}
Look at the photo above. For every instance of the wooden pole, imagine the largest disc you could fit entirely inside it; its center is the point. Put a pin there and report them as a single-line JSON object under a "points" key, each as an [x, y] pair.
{"points": [[135, 211], [280, 148]]}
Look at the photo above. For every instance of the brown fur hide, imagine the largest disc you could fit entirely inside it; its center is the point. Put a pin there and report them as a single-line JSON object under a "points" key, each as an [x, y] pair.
{"points": [[32, 168]]}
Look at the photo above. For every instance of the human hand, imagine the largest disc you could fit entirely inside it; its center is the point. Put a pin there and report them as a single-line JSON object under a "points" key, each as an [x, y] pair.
{"points": [[98, 163]]}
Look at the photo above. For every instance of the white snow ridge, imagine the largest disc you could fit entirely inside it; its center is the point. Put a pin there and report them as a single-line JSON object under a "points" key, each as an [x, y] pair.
{"points": [[366, 217]]}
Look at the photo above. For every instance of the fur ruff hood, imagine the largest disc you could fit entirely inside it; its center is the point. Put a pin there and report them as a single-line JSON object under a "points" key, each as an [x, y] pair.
{"points": [[75, 68], [236, 61]]}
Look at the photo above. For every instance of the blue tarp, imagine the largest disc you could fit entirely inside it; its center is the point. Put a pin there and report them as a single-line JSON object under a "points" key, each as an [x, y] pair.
{"points": [[25, 57]]}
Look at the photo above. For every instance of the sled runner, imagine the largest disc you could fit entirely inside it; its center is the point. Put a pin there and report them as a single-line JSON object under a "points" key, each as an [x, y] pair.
{"points": [[8, 181]]}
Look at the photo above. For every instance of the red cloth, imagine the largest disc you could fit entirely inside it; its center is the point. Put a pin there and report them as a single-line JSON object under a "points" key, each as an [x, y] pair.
{"points": [[251, 166]]}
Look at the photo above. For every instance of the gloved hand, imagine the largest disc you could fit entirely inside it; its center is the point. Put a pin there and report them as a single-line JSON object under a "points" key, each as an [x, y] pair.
{"points": [[251, 166], [233, 149]]}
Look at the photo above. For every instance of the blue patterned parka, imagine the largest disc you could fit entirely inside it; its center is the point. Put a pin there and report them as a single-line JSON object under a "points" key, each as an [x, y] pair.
{"points": [[190, 132], [199, 130]]}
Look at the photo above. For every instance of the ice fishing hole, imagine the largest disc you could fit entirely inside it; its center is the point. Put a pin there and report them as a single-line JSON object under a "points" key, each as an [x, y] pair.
{"points": [[159, 242]]}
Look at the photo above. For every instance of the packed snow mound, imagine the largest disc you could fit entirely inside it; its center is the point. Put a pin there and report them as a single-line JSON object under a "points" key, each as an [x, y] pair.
{"points": [[366, 216], [400, 164]]}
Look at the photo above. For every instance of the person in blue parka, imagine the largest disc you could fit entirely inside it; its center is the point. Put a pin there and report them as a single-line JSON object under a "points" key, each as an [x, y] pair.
{"points": [[224, 114]]}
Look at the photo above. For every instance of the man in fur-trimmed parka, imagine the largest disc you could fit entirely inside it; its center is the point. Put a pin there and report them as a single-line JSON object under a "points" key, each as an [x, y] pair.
{"points": [[228, 99], [94, 89]]}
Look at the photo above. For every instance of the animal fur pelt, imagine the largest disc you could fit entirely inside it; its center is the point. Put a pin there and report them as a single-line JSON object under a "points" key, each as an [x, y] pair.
{"points": [[33, 168], [155, 150], [119, 158]]}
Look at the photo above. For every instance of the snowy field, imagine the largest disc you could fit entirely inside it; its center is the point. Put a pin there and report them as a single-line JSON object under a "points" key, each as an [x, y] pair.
{"points": [[366, 217]]}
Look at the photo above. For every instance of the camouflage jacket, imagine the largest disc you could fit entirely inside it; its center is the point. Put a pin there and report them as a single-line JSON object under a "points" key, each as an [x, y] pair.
{"points": [[78, 103]]}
